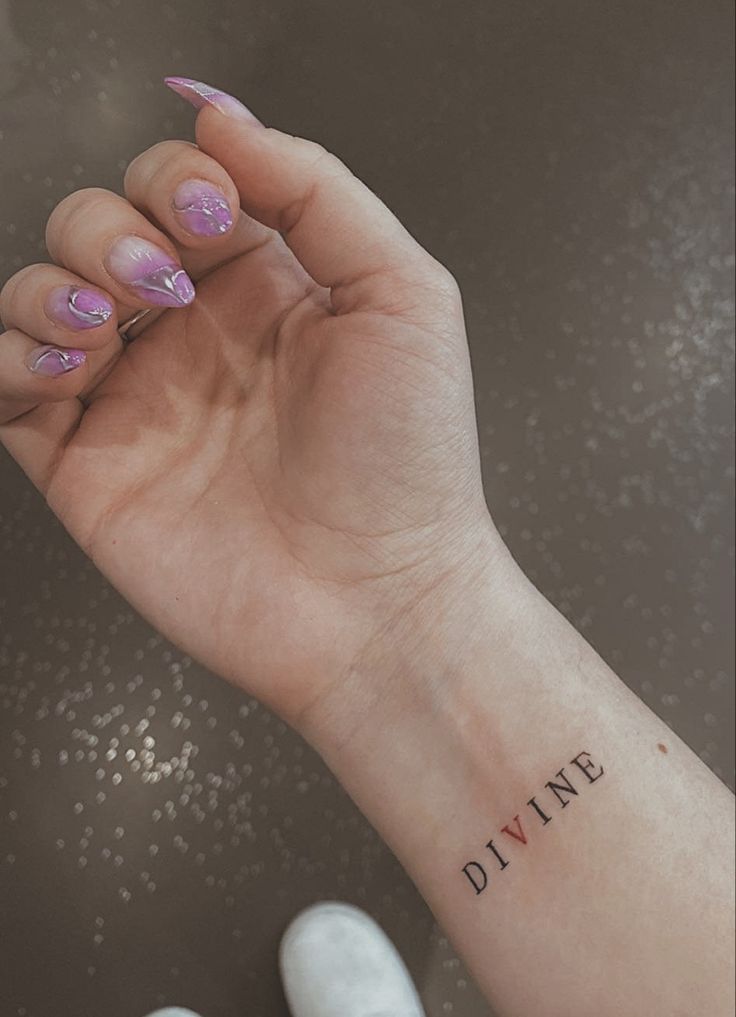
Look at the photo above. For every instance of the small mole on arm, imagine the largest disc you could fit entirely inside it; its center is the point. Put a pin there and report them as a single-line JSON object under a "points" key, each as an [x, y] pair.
{"points": [[662, 748]]}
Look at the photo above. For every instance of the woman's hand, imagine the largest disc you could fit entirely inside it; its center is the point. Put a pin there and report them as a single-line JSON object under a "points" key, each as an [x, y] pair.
{"points": [[282, 475], [275, 471]]}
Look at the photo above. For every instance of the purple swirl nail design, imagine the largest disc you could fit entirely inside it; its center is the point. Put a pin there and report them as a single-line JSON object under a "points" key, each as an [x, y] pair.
{"points": [[151, 273], [52, 361], [202, 209], [76, 308]]}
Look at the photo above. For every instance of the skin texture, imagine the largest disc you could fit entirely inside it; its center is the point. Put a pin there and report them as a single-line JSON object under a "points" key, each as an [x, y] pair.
{"points": [[283, 477]]}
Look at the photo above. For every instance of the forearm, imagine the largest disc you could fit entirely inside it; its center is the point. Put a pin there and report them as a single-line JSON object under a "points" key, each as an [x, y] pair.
{"points": [[609, 893]]}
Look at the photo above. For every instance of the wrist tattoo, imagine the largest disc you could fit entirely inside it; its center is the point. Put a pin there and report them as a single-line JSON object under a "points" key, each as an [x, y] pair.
{"points": [[557, 794]]}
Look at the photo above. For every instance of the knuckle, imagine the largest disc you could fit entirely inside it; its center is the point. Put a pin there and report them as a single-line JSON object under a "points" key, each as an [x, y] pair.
{"points": [[136, 169], [443, 282], [69, 208], [10, 287], [10, 337], [77, 199], [317, 165], [426, 268], [148, 165], [319, 161], [149, 180]]}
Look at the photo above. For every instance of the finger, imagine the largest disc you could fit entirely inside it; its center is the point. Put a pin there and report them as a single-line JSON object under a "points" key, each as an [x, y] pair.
{"points": [[102, 238], [56, 307], [192, 198], [36, 439], [33, 373], [187, 193], [343, 235]]}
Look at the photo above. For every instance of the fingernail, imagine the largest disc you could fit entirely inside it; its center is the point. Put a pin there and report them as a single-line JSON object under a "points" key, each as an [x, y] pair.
{"points": [[199, 95], [150, 272], [202, 209], [72, 307], [50, 361]]}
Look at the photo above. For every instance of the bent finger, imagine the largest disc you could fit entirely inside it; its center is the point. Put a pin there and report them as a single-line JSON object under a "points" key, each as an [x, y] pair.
{"points": [[32, 373], [192, 198], [58, 307], [100, 236]]}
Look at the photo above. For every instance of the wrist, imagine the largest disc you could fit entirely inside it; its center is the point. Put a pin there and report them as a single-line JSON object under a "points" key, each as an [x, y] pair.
{"points": [[418, 720], [417, 657], [446, 720]]}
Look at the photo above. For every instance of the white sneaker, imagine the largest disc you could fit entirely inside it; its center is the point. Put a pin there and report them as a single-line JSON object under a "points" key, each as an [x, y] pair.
{"points": [[174, 1011], [337, 962]]}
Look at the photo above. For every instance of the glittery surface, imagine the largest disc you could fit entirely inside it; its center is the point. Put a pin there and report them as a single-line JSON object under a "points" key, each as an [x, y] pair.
{"points": [[158, 829]]}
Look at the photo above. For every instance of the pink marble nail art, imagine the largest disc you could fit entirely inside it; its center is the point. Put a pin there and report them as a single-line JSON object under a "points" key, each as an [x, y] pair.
{"points": [[202, 209], [76, 308], [199, 95], [150, 272], [52, 361]]}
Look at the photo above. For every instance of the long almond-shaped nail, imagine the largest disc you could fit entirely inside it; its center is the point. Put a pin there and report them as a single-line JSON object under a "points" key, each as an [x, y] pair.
{"points": [[51, 361], [199, 95], [153, 275], [76, 308], [202, 209]]}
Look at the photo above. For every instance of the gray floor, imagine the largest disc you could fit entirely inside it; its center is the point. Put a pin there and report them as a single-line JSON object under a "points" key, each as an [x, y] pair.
{"points": [[571, 162]]}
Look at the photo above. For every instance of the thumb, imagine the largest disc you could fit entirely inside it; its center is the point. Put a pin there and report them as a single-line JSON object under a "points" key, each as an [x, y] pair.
{"points": [[343, 235]]}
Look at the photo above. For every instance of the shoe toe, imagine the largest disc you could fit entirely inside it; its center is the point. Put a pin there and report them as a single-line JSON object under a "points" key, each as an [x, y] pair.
{"points": [[174, 1011], [337, 962]]}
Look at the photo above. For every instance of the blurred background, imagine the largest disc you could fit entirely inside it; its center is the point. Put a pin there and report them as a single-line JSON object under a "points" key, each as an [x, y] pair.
{"points": [[571, 163]]}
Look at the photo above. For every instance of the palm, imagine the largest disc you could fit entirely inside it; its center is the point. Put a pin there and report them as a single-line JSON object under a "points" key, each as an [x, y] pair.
{"points": [[276, 474], [251, 480]]}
